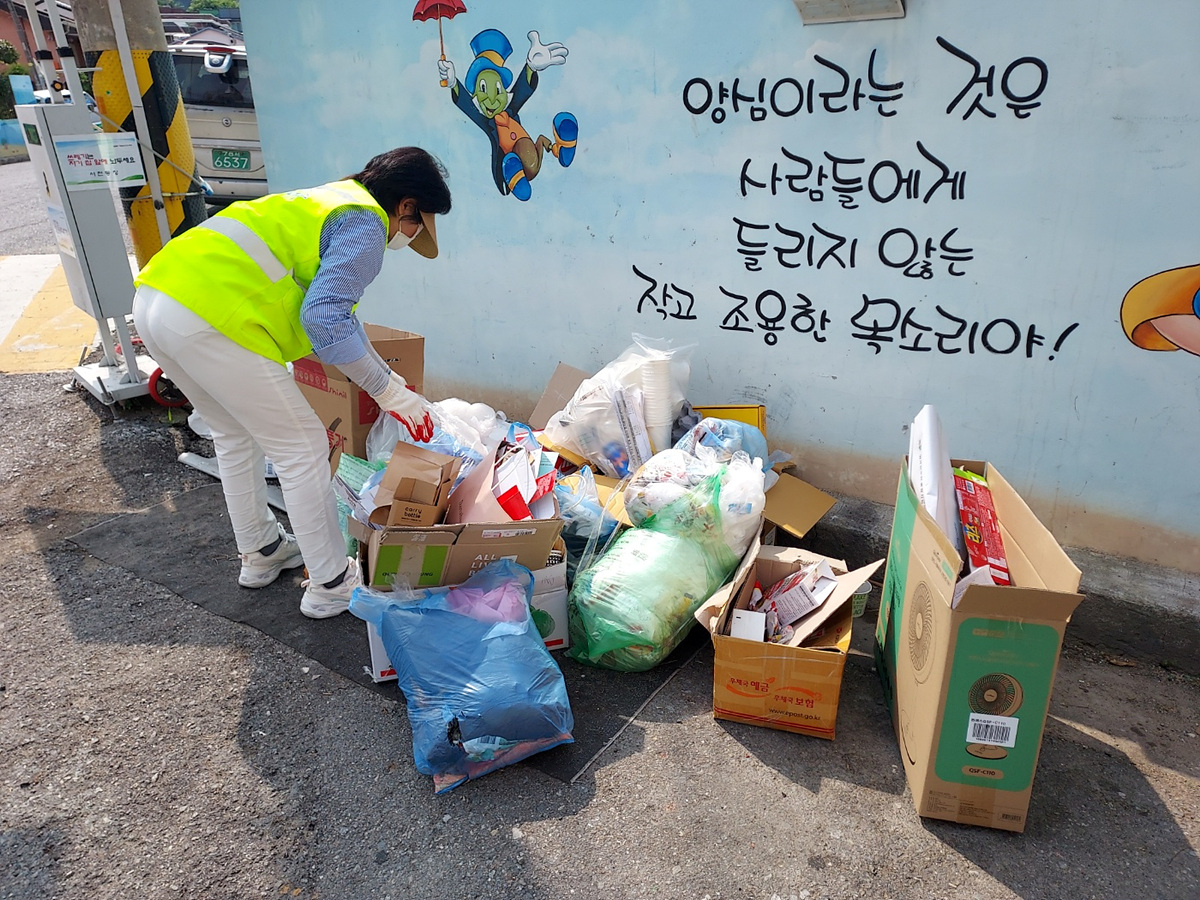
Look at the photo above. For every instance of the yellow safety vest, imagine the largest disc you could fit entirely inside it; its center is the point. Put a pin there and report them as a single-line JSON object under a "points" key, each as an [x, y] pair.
{"points": [[245, 270]]}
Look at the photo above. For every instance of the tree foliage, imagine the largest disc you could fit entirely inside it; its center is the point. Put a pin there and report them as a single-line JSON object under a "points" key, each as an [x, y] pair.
{"points": [[209, 5], [8, 53], [7, 104]]}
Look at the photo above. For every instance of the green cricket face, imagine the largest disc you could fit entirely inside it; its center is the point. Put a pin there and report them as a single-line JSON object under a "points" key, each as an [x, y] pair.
{"points": [[490, 93]]}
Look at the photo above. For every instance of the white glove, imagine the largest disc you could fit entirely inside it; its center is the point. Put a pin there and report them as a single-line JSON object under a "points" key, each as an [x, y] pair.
{"points": [[446, 70], [542, 56], [406, 405]]}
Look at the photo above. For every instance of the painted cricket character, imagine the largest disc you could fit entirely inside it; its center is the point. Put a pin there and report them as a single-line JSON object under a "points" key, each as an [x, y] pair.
{"points": [[492, 99]]}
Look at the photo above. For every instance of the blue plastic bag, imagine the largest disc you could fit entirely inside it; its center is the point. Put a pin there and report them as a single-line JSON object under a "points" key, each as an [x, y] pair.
{"points": [[727, 436], [482, 690]]}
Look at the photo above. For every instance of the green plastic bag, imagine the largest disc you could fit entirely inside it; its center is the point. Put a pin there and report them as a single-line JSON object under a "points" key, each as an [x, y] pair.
{"points": [[635, 603]]}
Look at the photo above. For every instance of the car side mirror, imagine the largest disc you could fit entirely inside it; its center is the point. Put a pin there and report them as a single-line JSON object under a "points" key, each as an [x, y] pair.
{"points": [[217, 63]]}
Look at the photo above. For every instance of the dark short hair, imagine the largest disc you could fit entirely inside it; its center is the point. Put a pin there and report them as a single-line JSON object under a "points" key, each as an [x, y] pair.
{"points": [[406, 172]]}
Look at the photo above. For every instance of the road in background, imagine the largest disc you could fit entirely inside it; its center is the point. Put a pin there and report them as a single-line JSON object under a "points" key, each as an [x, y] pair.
{"points": [[24, 226]]}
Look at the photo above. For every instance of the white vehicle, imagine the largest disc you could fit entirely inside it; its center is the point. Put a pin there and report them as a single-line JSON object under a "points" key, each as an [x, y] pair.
{"points": [[219, 104], [45, 97]]}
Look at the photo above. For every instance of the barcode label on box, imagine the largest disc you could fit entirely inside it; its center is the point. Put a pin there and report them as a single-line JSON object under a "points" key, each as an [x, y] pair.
{"points": [[1000, 731]]}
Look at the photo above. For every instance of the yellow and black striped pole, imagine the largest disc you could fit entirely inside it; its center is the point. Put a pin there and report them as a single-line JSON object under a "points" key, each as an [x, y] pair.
{"points": [[163, 107]]}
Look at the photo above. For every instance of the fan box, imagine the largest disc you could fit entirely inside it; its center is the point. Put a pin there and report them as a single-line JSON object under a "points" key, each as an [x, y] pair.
{"points": [[968, 682]]}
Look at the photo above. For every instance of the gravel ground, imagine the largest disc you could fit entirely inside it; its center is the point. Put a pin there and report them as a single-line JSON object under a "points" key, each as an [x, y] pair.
{"points": [[152, 749]]}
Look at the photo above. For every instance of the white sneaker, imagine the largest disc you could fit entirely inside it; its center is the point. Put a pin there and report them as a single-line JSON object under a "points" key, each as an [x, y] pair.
{"points": [[258, 571], [321, 602]]}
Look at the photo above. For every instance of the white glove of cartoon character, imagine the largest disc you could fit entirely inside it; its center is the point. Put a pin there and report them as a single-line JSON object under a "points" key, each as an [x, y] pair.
{"points": [[446, 70], [408, 406], [542, 56]]}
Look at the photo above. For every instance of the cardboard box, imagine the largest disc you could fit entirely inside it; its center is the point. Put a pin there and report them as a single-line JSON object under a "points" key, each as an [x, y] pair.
{"points": [[790, 688], [549, 605], [751, 414], [969, 685], [346, 408], [437, 555], [981, 530], [415, 489], [476, 531]]}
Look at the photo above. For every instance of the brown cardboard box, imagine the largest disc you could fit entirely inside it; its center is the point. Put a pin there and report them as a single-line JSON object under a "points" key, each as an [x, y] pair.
{"points": [[783, 686], [449, 554], [476, 532], [415, 489], [339, 401], [969, 683]]}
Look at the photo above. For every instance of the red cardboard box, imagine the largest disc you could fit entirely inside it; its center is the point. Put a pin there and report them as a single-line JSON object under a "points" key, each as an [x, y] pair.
{"points": [[981, 527]]}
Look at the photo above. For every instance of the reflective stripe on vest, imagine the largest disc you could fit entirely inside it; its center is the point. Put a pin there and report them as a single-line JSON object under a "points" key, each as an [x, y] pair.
{"points": [[245, 271], [249, 243]]}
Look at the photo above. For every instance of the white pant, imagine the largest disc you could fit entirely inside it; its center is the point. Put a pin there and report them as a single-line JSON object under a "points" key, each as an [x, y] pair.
{"points": [[253, 406]]}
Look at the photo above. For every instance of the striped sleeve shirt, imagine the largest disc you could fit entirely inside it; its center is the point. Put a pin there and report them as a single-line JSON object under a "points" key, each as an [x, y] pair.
{"points": [[351, 248]]}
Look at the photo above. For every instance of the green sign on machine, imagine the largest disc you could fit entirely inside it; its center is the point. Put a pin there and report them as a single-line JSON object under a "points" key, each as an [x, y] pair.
{"points": [[236, 160]]}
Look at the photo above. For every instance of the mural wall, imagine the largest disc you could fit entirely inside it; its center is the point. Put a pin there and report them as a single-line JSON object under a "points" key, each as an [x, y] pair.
{"points": [[988, 207]]}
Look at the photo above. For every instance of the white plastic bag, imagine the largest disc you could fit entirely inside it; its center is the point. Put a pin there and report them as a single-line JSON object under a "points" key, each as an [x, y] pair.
{"points": [[606, 422], [459, 429]]}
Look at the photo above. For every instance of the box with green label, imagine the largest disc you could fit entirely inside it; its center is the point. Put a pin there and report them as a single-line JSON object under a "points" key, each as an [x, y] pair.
{"points": [[437, 555], [968, 674]]}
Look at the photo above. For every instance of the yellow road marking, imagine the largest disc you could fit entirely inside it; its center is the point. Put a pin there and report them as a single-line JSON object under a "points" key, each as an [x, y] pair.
{"points": [[51, 333]]}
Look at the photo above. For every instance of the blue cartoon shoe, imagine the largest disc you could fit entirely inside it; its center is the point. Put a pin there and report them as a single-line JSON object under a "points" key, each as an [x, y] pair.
{"points": [[566, 134], [514, 177]]}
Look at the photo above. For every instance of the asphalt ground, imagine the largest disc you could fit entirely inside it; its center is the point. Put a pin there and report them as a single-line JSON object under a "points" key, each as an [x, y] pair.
{"points": [[24, 227], [151, 748]]}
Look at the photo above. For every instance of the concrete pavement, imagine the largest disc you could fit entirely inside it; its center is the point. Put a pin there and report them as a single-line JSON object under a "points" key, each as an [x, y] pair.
{"points": [[41, 329], [149, 748]]}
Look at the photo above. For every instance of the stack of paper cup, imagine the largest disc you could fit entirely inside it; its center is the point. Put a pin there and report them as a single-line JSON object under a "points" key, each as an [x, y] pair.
{"points": [[656, 402]]}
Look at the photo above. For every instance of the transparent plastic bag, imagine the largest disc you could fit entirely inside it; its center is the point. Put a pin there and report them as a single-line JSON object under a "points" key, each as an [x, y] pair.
{"points": [[632, 606], [606, 420], [349, 481], [482, 690], [743, 499], [584, 518], [662, 479], [727, 436], [452, 435]]}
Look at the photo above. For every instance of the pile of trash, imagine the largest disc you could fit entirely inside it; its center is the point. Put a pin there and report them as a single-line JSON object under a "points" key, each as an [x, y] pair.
{"points": [[652, 507]]}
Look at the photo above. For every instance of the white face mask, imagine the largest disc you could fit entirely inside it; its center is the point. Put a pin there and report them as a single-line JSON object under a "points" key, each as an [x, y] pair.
{"points": [[402, 240]]}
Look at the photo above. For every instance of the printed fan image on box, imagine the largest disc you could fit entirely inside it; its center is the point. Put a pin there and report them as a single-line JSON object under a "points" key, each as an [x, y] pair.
{"points": [[995, 695]]}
